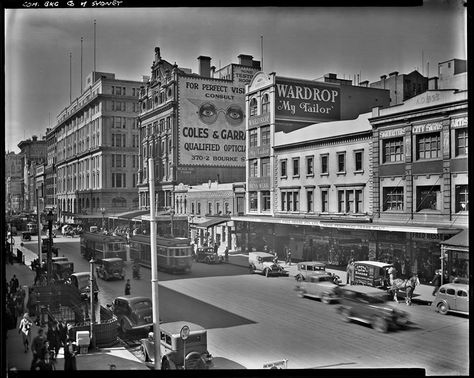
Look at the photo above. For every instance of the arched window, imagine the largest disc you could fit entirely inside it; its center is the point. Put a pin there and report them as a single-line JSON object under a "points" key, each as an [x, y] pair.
{"points": [[253, 106], [265, 103]]}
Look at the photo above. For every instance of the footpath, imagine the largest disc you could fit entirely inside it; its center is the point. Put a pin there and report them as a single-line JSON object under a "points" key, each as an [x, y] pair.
{"points": [[17, 359]]}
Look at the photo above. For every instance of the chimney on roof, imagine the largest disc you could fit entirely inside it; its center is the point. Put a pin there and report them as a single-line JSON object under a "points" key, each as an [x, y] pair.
{"points": [[34, 137], [256, 64], [394, 73], [245, 60], [204, 66], [433, 83], [364, 83], [157, 54], [330, 75], [383, 77]]}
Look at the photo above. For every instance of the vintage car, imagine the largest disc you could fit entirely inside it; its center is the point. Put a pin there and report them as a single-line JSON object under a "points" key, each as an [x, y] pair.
{"points": [[173, 347], [133, 313], [306, 268], [81, 280], [369, 305], [265, 263], [318, 285], [110, 268], [62, 270], [26, 236], [207, 255], [452, 297], [371, 273]]}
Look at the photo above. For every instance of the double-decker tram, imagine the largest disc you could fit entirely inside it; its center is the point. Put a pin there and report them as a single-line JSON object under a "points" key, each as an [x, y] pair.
{"points": [[102, 246], [173, 254]]}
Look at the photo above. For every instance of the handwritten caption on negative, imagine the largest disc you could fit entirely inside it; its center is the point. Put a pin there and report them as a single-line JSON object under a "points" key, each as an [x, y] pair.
{"points": [[71, 4]]}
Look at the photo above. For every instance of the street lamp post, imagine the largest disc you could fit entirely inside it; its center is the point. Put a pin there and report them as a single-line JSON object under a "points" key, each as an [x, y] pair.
{"points": [[49, 218], [91, 295], [102, 210]]}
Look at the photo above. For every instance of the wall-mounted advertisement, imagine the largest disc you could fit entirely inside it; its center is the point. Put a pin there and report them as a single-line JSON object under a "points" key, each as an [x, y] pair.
{"points": [[211, 123], [243, 75], [307, 101]]}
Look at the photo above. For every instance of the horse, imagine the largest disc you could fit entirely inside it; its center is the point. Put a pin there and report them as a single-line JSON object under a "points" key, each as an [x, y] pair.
{"points": [[408, 285]]}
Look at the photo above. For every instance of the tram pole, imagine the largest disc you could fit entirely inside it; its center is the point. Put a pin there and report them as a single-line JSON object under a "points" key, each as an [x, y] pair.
{"points": [[154, 264]]}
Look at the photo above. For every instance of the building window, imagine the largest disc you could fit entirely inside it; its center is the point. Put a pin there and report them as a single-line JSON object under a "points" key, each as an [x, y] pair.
{"points": [[265, 104], [309, 201], [253, 201], [428, 146], [283, 172], [290, 200], [265, 135], [192, 207], [461, 198], [392, 150], [310, 165], [296, 166], [253, 107], [198, 208], [324, 201], [266, 200], [428, 198], [393, 198], [265, 167], [253, 138], [218, 208], [461, 136], [358, 160], [209, 208], [118, 180], [341, 162], [325, 164], [253, 168], [350, 201]]}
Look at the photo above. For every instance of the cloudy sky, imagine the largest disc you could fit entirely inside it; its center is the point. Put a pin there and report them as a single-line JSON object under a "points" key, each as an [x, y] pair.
{"points": [[297, 42]]}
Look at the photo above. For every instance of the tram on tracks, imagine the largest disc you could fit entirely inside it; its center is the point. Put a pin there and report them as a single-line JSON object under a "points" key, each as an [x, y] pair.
{"points": [[102, 246], [173, 254]]}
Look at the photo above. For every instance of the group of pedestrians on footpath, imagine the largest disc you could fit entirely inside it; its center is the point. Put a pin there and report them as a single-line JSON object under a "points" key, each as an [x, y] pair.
{"points": [[14, 302]]}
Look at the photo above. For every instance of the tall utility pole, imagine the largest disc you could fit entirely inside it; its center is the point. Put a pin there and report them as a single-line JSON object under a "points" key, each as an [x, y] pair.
{"points": [[39, 224], [49, 262], [154, 264]]}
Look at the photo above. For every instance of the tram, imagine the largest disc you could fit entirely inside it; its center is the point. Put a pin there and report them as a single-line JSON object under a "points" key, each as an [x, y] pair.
{"points": [[173, 254], [102, 246]]}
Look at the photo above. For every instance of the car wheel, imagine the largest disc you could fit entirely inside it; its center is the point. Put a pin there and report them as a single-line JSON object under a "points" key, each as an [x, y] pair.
{"points": [[380, 324], [443, 308], [194, 362], [346, 315], [165, 364], [325, 299], [208, 260]]}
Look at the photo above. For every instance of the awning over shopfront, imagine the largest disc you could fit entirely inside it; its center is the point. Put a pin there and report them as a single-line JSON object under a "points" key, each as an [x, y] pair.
{"points": [[458, 242], [207, 222], [347, 225], [130, 215]]}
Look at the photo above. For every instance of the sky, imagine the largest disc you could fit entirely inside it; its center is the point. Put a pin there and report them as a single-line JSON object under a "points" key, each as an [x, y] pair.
{"points": [[300, 42]]}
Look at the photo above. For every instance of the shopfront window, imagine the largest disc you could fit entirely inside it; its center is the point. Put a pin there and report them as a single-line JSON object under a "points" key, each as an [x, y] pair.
{"points": [[392, 198], [253, 201], [462, 198], [428, 198]]}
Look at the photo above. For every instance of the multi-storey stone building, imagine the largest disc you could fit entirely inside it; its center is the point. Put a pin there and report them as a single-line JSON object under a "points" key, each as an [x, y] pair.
{"points": [[96, 144], [14, 181], [192, 125]]}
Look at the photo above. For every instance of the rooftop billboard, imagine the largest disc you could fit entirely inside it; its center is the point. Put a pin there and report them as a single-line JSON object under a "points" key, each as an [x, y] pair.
{"points": [[307, 101]]}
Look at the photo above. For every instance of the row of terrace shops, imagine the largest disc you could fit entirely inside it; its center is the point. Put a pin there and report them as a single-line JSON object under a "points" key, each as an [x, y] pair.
{"points": [[412, 249]]}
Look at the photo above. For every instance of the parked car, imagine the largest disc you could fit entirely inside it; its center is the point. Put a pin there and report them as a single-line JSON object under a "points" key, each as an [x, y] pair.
{"points": [[306, 268], [369, 305], [62, 270], [133, 313], [371, 273], [452, 297], [318, 285], [110, 268], [265, 263], [81, 280], [208, 256], [26, 236], [173, 347]]}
